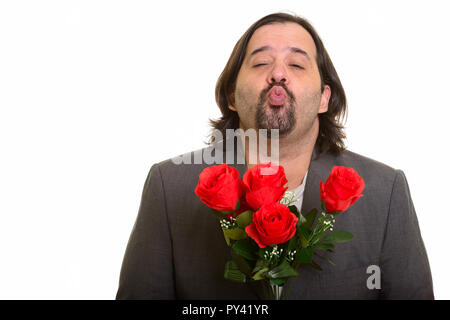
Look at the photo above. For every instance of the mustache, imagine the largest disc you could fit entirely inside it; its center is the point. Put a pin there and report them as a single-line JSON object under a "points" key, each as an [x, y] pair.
{"points": [[273, 84]]}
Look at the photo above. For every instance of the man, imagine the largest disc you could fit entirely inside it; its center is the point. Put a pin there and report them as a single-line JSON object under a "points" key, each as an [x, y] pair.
{"points": [[279, 76]]}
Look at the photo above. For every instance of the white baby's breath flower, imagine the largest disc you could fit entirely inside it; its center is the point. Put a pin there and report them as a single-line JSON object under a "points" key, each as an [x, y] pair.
{"points": [[228, 224], [288, 198]]}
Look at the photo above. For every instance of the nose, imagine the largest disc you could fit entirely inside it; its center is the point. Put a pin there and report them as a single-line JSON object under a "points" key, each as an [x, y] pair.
{"points": [[278, 74]]}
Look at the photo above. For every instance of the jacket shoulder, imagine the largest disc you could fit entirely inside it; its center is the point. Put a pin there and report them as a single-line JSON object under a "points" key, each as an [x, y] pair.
{"points": [[364, 163], [181, 171]]}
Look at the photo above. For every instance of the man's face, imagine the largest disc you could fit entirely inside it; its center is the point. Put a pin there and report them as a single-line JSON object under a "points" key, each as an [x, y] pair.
{"points": [[278, 85]]}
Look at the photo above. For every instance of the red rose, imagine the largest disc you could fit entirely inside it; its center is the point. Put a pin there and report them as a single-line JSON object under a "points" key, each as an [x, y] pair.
{"points": [[272, 224], [343, 187], [265, 184], [219, 187]]}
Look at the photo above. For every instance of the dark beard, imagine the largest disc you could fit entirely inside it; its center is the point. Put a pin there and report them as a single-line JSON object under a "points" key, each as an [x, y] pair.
{"points": [[276, 120]]}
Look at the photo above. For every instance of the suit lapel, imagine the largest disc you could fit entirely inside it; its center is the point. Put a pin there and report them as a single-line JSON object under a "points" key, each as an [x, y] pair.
{"points": [[311, 195], [318, 171]]}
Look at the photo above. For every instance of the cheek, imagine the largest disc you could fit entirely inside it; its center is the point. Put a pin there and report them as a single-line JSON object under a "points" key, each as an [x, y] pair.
{"points": [[245, 97], [308, 102]]}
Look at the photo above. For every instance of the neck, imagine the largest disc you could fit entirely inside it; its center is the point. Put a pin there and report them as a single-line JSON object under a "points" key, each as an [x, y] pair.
{"points": [[294, 154]]}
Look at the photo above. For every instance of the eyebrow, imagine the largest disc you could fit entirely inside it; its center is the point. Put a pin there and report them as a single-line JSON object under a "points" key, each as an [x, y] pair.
{"points": [[291, 49]]}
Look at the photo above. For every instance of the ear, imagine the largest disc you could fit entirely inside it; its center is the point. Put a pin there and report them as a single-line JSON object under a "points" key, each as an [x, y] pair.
{"points": [[325, 98], [231, 105]]}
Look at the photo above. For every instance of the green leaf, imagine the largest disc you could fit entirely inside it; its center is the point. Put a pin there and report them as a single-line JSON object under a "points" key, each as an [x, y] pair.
{"points": [[305, 255], [262, 251], [260, 264], [292, 244], [245, 248], [260, 275], [278, 282], [300, 217], [284, 270], [301, 220], [303, 231], [227, 239], [310, 217], [324, 246], [294, 210], [234, 234], [244, 219], [303, 235], [233, 273], [242, 263], [338, 236]]}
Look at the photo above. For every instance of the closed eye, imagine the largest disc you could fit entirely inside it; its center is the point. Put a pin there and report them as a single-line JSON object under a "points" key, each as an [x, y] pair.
{"points": [[296, 66], [259, 65]]}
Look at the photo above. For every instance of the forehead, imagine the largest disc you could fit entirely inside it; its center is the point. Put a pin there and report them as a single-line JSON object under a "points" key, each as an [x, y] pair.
{"points": [[282, 35]]}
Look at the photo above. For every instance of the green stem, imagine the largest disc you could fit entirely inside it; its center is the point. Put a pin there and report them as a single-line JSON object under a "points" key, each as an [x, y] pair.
{"points": [[320, 228]]}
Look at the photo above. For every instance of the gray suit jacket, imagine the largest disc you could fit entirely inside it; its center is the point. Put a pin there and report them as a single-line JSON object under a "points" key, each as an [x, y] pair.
{"points": [[177, 249]]}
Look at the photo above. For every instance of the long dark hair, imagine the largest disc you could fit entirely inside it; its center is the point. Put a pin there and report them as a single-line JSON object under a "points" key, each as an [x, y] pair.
{"points": [[331, 133]]}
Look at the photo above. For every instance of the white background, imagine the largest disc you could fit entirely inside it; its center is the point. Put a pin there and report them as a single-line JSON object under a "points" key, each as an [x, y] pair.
{"points": [[92, 93]]}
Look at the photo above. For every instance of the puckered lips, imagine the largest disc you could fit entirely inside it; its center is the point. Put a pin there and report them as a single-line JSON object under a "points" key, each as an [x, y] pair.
{"points": [[277, 96]]}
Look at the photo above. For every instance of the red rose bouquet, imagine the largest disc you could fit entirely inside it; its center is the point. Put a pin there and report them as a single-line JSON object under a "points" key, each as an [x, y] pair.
{"points": [[269, 238]]}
